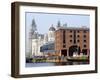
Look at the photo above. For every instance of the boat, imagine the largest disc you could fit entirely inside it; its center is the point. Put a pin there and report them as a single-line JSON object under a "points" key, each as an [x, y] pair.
{"points": [[77, 59]]}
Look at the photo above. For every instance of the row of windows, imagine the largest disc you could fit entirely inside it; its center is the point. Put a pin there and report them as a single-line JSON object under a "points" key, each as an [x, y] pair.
{"points": [[79, 36], [78, 40], [64, 46], [78, 31]]}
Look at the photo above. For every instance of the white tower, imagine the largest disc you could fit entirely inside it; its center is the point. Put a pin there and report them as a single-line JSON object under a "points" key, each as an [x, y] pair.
{"points": [[45, 38], [31, 35], [51, 34]]}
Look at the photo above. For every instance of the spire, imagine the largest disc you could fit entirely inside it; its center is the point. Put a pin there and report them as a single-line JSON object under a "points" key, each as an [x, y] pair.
{"points": [[52, 25], [34, 27], [58, 24], [65, 25]]}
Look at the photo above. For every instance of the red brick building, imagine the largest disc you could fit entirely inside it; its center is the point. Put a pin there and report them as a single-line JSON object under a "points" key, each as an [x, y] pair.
{"points": [[69, 40]]}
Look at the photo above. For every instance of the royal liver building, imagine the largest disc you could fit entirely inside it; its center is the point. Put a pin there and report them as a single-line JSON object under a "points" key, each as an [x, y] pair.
{"points": [[38, 40]]}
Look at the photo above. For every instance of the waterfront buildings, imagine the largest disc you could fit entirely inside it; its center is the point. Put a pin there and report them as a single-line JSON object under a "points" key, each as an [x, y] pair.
{"points": [[72, 40], [43, 41], [61, 41], [37, 42]]}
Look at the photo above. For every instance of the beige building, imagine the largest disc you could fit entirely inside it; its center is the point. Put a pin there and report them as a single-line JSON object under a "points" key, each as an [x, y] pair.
{"points": [[51, 34], [39, 40]]}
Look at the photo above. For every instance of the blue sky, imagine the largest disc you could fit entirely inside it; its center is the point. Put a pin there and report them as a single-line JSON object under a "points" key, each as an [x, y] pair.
{"points": [[45, 20]]}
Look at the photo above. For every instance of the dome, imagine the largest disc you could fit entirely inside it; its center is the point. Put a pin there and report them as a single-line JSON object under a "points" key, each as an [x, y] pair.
{"points": [[52, 28]]}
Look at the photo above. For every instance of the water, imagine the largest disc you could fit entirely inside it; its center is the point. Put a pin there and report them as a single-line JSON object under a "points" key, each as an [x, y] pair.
{"points": [[54, 64]]}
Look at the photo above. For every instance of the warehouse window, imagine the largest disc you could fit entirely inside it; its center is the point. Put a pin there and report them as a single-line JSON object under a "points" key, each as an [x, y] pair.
{"points": [[84, 40], [78, 40], [78, 36], [84, 36], [84, 46], [78, 31]]}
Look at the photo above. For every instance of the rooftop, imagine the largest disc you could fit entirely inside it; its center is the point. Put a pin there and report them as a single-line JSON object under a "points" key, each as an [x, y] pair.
{"points": [[52, 28], [74, 28]]}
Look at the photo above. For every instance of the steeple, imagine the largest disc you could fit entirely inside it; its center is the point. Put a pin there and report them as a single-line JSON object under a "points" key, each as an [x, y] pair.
{"points": [[65, 25], [34, 26], [58, 24]]}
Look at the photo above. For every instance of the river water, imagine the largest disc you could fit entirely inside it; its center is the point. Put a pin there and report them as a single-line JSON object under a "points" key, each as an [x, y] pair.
{"points": [[54, 64]]}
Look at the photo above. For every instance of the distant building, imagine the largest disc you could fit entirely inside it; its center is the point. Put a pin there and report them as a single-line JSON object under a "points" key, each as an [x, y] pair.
{"points": [[37, 42], [63, 40], [49, 42], [70, 39], [48, 48], [42, 41], [45, 38], [51, 34]]}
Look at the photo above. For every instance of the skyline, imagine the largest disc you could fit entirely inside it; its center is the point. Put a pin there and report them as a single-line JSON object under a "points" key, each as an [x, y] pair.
{"points": [[45, 20]]}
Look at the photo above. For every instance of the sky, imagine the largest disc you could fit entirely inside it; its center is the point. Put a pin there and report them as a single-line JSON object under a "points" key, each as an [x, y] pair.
{"points": [[45, 20]]}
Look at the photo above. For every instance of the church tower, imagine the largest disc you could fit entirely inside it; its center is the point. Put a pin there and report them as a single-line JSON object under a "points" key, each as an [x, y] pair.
{"points": [[32, 34], [58, 25]]}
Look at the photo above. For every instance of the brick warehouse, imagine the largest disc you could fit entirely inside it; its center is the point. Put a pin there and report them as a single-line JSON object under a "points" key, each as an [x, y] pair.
{"points": [[70, 39]]}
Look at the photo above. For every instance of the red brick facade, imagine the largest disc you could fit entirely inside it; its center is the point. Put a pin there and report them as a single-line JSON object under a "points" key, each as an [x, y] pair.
{"points": [[71, 37]]}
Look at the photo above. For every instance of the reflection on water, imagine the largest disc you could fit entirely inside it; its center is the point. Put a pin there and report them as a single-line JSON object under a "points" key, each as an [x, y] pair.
{"points": [[55, 64]]}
